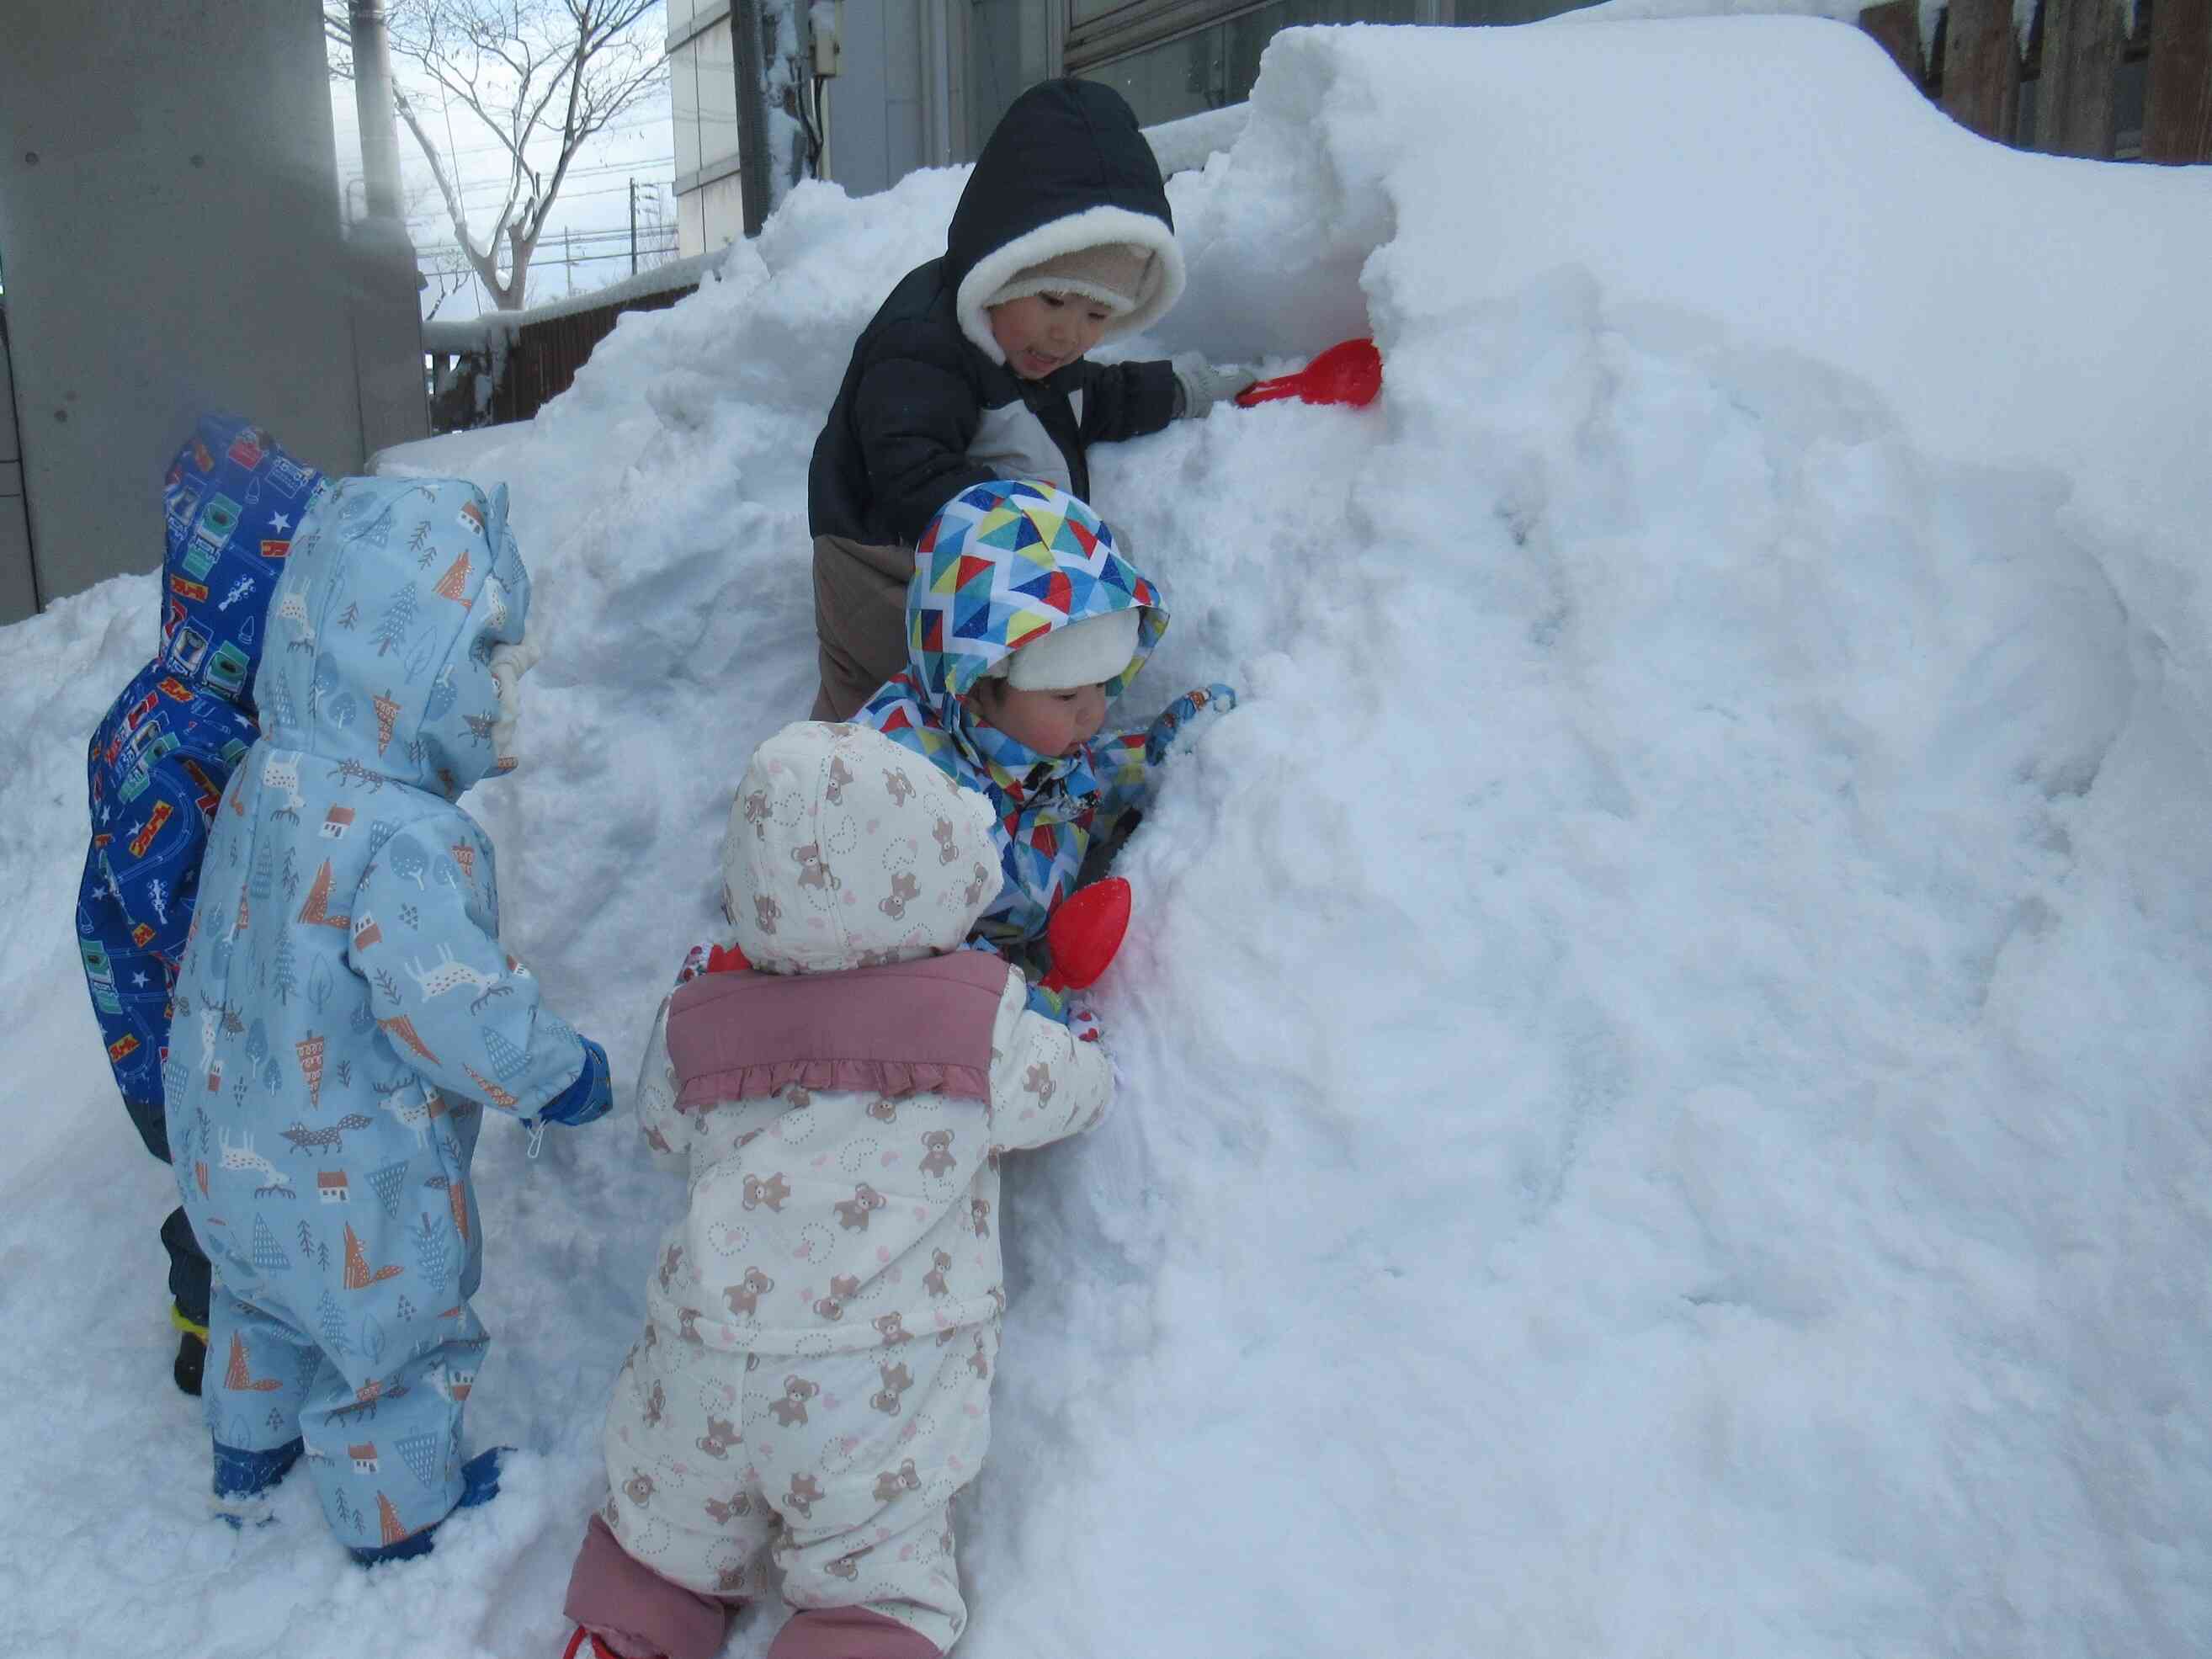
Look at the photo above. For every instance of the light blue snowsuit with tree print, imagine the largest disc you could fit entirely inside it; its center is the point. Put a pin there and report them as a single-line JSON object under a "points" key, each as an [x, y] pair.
{"points": [[344, 1009]]}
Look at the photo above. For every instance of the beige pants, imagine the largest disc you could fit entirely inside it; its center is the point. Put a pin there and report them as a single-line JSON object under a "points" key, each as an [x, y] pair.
{"points": [[860, 621]]}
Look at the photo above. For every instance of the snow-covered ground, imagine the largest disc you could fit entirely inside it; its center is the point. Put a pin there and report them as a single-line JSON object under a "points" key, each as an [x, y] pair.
{"points": [[1667, 1040]]}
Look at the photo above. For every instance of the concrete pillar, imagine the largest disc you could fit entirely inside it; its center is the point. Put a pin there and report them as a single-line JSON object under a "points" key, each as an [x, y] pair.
{"points": [[169, 206], [387, 328]]}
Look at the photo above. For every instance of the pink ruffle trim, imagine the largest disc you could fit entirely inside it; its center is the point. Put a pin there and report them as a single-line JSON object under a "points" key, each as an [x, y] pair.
{"points": [[890, 1079]]}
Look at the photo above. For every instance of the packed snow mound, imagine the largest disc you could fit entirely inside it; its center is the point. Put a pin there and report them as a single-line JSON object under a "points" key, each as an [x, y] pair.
{"points": [[1665, 1041]]}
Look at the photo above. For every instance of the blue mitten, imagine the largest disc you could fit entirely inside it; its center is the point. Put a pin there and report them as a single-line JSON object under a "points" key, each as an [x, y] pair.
{"points": [[1162, 731], [588, 1098]]}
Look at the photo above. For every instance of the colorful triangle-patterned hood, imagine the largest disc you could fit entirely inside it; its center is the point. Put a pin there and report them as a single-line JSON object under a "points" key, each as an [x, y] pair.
{"points": [[1003, 563]]}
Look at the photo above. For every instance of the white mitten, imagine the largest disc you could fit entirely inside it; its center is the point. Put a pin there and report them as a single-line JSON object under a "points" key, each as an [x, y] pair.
{"points": [[1206, 384]]}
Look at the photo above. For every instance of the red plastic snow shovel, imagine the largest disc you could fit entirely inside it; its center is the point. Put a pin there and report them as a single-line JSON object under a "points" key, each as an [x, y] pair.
{"points": [[1348, 373], [1085, 932]]}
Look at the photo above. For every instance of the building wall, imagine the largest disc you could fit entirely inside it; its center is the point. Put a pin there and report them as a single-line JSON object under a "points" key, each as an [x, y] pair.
{"points": [[18, 593], [876, 103], [879, 107], [1012, 45], [703, 99], [169, 226], [710, 217], [922, 83]]}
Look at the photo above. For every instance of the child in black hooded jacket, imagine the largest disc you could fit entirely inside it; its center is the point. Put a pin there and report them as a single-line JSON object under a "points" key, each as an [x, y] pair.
{"points": [[976, 369]]}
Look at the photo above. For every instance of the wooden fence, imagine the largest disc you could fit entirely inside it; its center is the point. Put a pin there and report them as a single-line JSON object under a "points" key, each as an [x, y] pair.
{"points": [[505, 366], [2092, 78]]}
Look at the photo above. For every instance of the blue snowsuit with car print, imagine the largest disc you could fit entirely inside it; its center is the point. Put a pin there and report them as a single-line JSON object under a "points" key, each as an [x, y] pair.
{"points": [[344, 1010], [158, 762]]}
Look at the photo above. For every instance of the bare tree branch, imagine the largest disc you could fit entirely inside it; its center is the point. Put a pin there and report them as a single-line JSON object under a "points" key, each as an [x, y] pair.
{"points": [[541, 75], [337, 39]]}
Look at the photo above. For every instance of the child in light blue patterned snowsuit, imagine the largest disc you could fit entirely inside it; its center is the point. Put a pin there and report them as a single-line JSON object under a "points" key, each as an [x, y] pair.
{"points": [[344, 1011]]}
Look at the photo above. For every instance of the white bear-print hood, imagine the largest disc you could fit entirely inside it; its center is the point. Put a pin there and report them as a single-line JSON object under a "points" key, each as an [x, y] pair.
{"points": [[845, 850]]}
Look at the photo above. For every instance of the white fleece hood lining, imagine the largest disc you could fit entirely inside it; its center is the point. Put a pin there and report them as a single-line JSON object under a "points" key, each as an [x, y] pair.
{"points": [[996, 268]]}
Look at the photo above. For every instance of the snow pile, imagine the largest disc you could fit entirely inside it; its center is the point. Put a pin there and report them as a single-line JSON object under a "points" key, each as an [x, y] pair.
{"points": [[1665, 1041]]}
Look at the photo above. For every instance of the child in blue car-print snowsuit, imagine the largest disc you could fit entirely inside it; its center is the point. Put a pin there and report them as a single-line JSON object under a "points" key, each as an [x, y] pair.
{"points": [[1024, 622], [345, 1011], [157, 764]]}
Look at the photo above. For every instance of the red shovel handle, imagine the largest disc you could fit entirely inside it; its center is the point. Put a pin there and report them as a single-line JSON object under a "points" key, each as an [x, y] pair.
{"points": [[1348, 373], [1085, 932]]}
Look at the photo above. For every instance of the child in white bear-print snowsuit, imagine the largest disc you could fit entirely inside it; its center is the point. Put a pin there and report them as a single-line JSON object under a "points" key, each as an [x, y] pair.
{"points": [[813, 1381]]}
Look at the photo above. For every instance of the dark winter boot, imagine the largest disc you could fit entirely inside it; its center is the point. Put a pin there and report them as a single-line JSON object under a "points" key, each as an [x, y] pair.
{"points": [[191, 1351], [479, 1485], [244, 1479]]}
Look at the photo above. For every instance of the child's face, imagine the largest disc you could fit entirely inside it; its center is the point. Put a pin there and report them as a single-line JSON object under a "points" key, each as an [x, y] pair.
{"points": [[1041, 332], [1051, 722]]}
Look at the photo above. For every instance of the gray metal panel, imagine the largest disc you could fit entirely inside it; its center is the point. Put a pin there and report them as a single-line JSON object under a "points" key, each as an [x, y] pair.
{"points": [[10, 449], [18, 593], [172, 248], [875, 102], [18, 597]]}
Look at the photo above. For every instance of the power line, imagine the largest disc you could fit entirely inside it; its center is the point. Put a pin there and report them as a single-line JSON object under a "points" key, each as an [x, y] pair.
{"points": [[500, 148], [589, 170], [617, 233], [479, 195], [472, 195]]}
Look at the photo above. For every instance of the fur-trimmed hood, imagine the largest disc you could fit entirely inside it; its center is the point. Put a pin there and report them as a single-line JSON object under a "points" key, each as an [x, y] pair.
{"points": [[1066, 168]]}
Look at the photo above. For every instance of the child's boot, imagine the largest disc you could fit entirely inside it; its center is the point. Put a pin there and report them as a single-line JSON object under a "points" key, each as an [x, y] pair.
{"points": [[849, 1633], [244, 1479], [587, 1645], [479, 1485], [191, 1351]]}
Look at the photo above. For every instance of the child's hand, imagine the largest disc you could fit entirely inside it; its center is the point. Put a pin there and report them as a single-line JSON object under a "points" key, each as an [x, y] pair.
{"points": [[1053, 1005], [1083, 1024], [588, 1098], [1165, 730], [1203, 384]]}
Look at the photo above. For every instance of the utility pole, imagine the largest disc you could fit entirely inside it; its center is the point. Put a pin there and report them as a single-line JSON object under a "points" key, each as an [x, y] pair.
{"points": [[632, 227], [371, 94], [386, 281], [753, 114]]}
